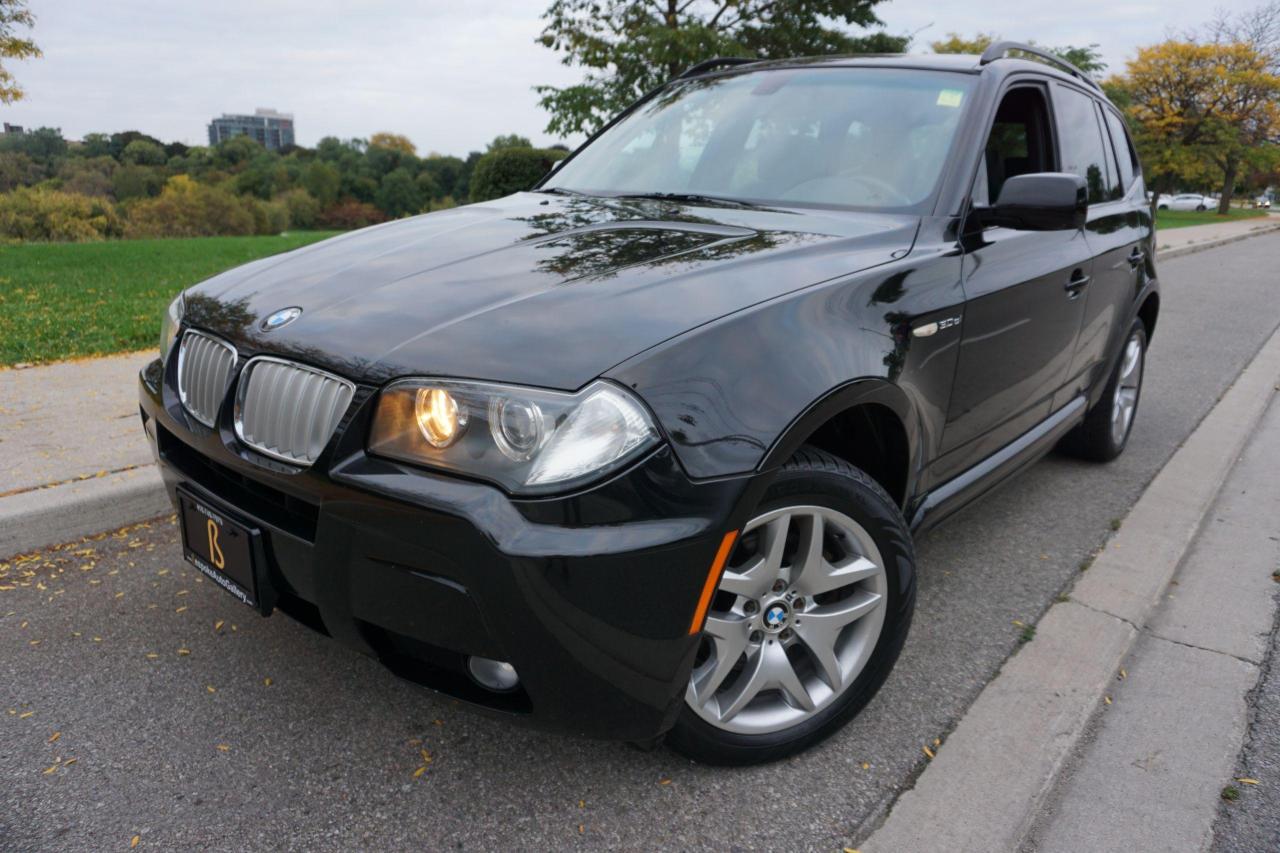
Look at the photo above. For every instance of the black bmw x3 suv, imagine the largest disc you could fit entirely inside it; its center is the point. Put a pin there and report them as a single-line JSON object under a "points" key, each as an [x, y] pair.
{"points": [[640, 453]]}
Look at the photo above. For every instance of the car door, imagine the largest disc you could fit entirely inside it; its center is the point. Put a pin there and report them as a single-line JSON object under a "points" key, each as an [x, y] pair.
{"points": [[1023, 307], [1119, 235]]}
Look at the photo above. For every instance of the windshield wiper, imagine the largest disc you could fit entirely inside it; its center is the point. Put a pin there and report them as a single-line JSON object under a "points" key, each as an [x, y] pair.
{"points": [[691, 198], [559, 191]]}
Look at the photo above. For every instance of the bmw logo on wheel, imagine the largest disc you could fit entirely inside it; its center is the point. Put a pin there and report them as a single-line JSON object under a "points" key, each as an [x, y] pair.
{"points": [[283, 317], [775, 616]]}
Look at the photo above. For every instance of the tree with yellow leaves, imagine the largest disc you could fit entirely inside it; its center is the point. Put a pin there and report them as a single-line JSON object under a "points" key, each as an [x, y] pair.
{"points": [[392, 142], [1199, 108], [14, 14]]}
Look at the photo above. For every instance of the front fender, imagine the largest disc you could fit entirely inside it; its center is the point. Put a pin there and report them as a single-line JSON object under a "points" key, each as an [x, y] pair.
{"points": [[735, 395]]}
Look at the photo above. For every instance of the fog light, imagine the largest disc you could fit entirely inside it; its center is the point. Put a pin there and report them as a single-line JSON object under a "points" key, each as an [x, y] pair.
{"points": [[494, 674]]}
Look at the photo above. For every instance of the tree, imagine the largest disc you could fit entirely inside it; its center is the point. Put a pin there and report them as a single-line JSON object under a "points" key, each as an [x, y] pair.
{"points": [[398, 194], [322, 180], [510, 170], [510, 140], [140, 152], [14, 14], [1088, 59], [956, 43], [1196, 105], [629, 47], [392, 142]]}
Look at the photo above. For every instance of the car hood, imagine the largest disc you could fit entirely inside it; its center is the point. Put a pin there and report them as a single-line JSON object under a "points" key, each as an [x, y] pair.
{"points": [[532, 289]]}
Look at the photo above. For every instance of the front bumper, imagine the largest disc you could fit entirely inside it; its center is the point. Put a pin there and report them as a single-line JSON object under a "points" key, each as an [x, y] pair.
{"points": [[589, 596]]}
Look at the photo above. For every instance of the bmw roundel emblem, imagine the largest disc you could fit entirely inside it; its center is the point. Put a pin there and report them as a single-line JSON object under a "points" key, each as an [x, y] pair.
{"points": [[283, 317], [775, 616]]}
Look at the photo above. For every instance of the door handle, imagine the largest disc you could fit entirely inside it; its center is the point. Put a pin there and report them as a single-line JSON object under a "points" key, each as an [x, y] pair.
{"points": [[1079, 281], [1136, 257]]}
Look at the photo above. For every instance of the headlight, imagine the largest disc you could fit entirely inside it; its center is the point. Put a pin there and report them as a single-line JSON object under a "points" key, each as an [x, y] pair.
{"points": [[169, 324], [524, 439]]}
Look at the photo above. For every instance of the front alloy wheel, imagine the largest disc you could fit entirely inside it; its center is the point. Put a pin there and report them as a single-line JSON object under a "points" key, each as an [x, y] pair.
{"points": [[808, 618], [796, 616]]}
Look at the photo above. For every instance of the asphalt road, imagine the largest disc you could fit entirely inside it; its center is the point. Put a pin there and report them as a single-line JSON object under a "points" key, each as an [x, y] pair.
{"points": [[1251, 821], [192, 748]]}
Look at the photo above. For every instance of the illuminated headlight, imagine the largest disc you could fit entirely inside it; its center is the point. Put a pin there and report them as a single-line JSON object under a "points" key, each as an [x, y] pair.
{"points": [[525, 439], [169, 324]]}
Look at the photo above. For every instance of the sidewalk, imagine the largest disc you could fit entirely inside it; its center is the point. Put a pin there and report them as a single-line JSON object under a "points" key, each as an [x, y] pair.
{"points": [[1121, 722], [1172, 242], [1152, 767], [73, 458]]}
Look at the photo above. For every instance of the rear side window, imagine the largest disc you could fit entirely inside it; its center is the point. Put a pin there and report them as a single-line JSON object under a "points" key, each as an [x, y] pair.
{"points": [[1124, 150], [1081, 140]]}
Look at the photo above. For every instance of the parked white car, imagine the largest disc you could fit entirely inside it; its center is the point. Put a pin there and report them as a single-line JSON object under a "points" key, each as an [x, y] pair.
{"points": [[1186, 201], [1262, 202]]}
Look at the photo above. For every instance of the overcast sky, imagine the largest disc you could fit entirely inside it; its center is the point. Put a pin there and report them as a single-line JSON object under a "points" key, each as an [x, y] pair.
{"points": [[450, 74]]}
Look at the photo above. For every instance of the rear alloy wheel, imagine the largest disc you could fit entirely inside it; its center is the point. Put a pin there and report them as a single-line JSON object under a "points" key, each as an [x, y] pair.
{"points": [[807, 619], [1105, 430]]}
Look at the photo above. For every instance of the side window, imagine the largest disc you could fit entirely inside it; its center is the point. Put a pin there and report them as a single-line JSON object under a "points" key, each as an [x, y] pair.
{"points": [[1124, 150], [1114, 186], [1018, 144], [1081, 140]]}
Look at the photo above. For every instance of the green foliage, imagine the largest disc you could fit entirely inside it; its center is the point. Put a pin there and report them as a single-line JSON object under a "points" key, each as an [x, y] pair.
{"points": [[43, 143], [189, 209], [509, 140], [87, 175], [14, 14], [18, 170], [111, 293], [510, 170], [322, 180], [140, 152], [129, 182], [35, 213], [629, 47], [398, 194], [240, 186], [302, 207], [1088, 58]]}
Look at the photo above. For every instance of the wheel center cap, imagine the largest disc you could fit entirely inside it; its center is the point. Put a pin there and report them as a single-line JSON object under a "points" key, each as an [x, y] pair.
{"points": [[776, 616]]}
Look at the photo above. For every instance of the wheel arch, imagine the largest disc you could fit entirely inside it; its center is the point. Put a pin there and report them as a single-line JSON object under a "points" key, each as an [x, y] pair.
{"points": [[868, 423], [1148, 312]]}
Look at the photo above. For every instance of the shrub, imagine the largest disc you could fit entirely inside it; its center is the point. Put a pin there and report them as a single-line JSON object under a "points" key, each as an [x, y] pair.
{"points": [[303, 209], [18, 170], [269, 217], [31, 213], [136, 182], [188, 209], [348, 214], [510, 170]]}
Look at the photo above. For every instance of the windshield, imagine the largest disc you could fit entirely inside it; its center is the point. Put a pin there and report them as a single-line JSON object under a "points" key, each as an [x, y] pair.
{"points": [[854, 137]]}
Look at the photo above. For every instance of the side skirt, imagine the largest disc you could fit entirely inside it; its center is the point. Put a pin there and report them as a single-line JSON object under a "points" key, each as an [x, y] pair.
{"points": [[1008, 460]]}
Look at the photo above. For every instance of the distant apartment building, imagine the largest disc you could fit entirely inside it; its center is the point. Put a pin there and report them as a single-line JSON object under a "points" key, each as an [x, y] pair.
{"points": [[272, 129], [12, 128]]}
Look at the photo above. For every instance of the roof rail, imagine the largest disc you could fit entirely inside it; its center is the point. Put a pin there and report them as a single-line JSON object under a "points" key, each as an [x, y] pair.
{"points": [[1001, 48], [712, 64]]}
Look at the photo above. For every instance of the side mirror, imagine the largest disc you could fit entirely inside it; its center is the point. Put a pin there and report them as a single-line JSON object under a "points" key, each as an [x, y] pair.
{"points": [[1045, 201]]}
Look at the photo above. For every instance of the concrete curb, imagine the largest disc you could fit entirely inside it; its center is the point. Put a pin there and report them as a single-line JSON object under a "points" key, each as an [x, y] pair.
{"points": [[989, 780], [61, 513], [1179, 251]]}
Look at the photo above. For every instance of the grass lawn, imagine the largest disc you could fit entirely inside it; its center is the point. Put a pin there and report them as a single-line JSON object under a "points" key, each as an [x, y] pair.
{"points": [[1182, 218], [60, 300]]}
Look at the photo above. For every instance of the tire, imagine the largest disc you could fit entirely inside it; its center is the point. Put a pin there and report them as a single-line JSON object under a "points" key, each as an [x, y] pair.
{"points": [[1098, 438], [1162, 207], [865, 551], [1200, 208]]}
